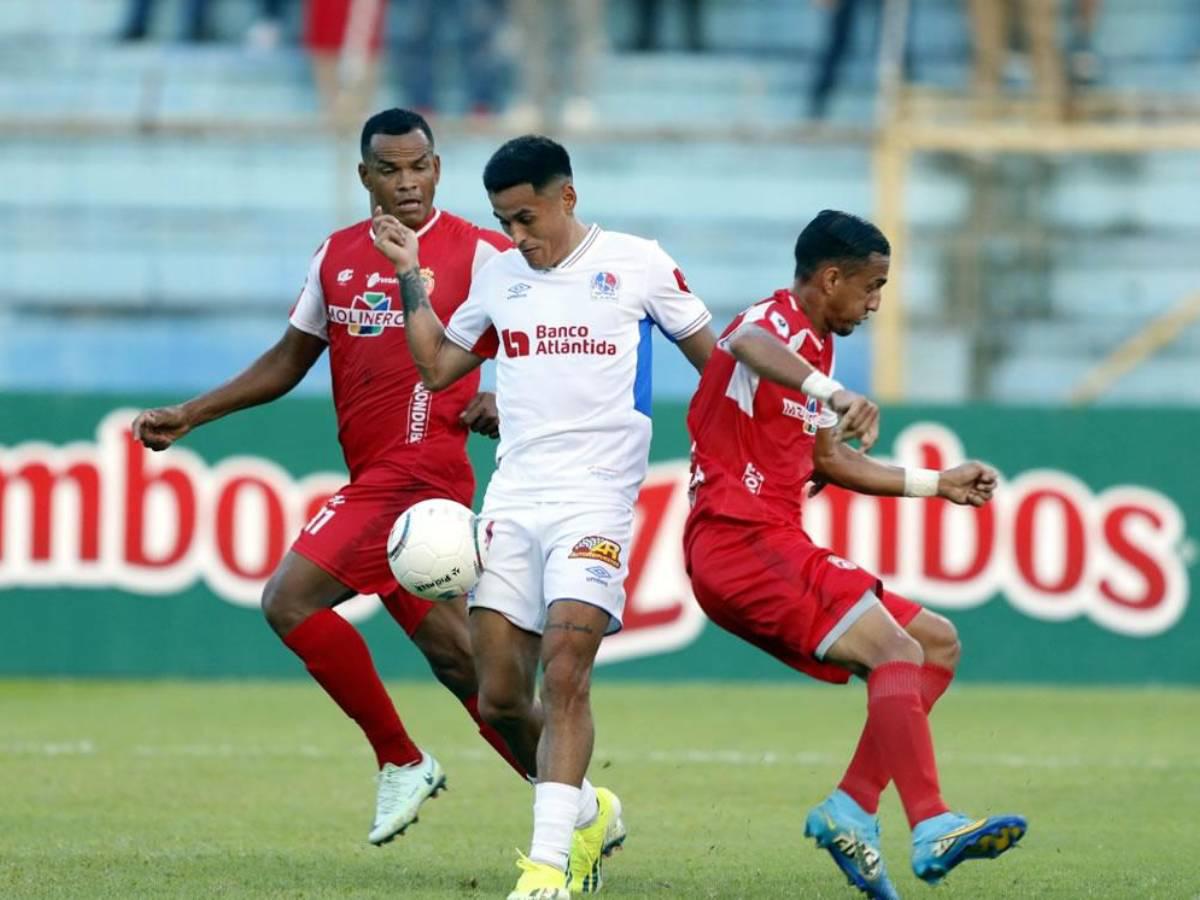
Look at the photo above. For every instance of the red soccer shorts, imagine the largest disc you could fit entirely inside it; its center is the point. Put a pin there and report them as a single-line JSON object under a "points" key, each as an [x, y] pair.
{"points": [[348, 539], [771, 586]]}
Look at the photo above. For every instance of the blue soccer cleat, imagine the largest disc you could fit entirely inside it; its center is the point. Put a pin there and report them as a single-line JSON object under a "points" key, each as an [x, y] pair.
{"points": [[942, 842], [851, 835]]}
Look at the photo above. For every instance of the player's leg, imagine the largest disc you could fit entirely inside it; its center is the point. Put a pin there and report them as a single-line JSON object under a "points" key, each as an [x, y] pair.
{"points": [[898, 721], [868, 773], [297, 602], [441, 633]]}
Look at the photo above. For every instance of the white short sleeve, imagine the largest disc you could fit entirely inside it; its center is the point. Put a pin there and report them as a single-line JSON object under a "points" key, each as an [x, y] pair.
{"points": [[669, 300], [470, 321], [309, 314]]}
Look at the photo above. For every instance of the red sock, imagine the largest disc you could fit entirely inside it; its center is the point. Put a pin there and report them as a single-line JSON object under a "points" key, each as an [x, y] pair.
{"points": [[338, 658], [492, 736], [900, 725], [867, 775]]}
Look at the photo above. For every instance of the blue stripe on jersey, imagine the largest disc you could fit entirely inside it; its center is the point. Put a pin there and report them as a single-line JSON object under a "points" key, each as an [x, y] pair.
{"points": [[641, 381]]}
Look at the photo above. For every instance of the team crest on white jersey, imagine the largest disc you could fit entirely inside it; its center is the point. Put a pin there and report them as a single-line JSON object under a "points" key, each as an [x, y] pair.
{"points": [[606, 286]]}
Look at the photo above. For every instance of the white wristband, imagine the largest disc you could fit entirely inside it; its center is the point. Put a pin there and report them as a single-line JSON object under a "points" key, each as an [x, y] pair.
{"points": [[820, 386], [921, 482]]}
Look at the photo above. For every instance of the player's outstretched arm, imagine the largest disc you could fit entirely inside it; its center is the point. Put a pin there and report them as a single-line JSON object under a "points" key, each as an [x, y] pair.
{"points": [[969, 484], [767, 357], [270, 376], [440, 362]]}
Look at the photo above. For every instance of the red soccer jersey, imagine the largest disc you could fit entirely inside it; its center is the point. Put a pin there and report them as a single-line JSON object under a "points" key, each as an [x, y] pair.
{"points": [[752, 439], [392, 430]]}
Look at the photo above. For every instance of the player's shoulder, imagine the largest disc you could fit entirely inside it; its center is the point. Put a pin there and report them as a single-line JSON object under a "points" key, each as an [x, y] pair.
{"points": [[465, 228], [635, 248], [349, 235]]}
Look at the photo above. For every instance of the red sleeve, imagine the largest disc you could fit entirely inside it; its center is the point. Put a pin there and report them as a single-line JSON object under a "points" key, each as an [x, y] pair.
{"points": [[495, 238], [488, 344]]}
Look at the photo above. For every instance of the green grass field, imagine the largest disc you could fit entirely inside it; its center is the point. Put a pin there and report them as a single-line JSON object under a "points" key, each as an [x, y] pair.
{"points": [[264, 790]]}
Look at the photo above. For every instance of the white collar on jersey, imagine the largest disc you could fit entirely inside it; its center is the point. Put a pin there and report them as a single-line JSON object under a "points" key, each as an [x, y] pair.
{"points": [[577, 254], [437, 214]]}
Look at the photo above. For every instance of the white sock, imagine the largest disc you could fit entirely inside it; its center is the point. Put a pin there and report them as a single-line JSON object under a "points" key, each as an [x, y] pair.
{"points": [[589, 806], [555, 808]]}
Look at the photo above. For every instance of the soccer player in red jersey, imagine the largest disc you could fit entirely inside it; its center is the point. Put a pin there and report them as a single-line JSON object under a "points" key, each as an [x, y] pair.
{"points": [[764, 423], [400, 442]]}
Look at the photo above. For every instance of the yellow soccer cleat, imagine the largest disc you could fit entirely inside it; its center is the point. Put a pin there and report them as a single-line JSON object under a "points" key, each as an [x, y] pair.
{"points": [[539, 881], [592, 844]]}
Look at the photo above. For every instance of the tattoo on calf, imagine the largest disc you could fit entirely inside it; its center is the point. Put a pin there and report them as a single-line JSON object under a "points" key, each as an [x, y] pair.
{"points": [[412, 291]]}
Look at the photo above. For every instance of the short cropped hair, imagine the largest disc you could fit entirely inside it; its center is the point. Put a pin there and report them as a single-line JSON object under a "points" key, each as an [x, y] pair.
{"points": [[837, 237], [531, 159], [395, 122]]}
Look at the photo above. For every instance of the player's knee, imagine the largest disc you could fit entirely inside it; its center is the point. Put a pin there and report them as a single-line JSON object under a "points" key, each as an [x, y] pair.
{"points": [[899, 646], [452, 666], [281, 609], [565, 681], [941, 645], [500, 706]]}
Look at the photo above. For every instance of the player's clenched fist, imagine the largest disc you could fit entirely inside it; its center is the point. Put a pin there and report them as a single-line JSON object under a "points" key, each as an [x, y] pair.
{"points": [[971, 484], [481, 415], [159, 428], [859, 418], [395, 240]]}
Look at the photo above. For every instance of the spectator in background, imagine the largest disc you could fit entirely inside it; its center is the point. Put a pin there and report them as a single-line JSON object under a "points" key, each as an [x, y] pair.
{"points": [[266, 32], [842, 18], [471, 24], [344, 37], [649, 15], [580, 25], [195, 23], [842, 15], [992, 26], [1084, 64]]}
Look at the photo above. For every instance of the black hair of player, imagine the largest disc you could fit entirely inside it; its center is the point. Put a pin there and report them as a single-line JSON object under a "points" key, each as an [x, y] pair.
{"points": [[393, 121], [530, 159], [837, 237]]}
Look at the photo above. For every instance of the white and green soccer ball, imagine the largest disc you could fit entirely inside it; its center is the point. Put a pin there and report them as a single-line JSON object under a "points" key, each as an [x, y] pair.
{"points": [[437, 549]]}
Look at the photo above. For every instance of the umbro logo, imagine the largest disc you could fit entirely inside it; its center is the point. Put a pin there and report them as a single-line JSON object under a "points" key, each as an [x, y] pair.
{"points": [[518, 291]]}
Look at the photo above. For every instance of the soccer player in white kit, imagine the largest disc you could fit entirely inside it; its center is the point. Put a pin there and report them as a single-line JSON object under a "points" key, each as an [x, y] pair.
{"points": [[568, 314]]}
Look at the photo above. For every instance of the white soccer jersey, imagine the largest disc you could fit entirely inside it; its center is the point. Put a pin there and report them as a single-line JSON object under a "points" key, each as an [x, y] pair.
{"points": [[573, 363]]}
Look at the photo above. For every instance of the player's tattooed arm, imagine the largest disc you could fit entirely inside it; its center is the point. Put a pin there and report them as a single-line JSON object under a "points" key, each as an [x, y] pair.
{"points": [[412, 291]]}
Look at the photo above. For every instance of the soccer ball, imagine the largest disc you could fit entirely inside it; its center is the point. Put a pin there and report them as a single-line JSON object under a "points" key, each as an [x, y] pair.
{"points": [[436, 550]]}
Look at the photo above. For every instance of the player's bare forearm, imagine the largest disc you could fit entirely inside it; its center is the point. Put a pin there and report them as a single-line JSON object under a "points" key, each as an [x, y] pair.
{"points": [[766, 357], [269, 377], [440, 362], [836, 463], [698, 347], [422, 328]]}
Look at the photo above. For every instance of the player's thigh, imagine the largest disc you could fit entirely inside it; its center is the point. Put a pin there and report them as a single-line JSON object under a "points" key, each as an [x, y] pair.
{"points": [[753, 581], [587, 550], [511, 583], [874, 638], [506, 664], [298, 588], [348, 536]]}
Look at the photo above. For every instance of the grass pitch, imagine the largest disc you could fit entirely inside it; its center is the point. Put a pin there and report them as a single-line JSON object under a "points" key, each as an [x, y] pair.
{"points": [[120, 790]]}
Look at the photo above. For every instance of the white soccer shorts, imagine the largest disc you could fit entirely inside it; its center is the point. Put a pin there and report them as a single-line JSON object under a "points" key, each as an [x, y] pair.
{"points": [[542, 552]]}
